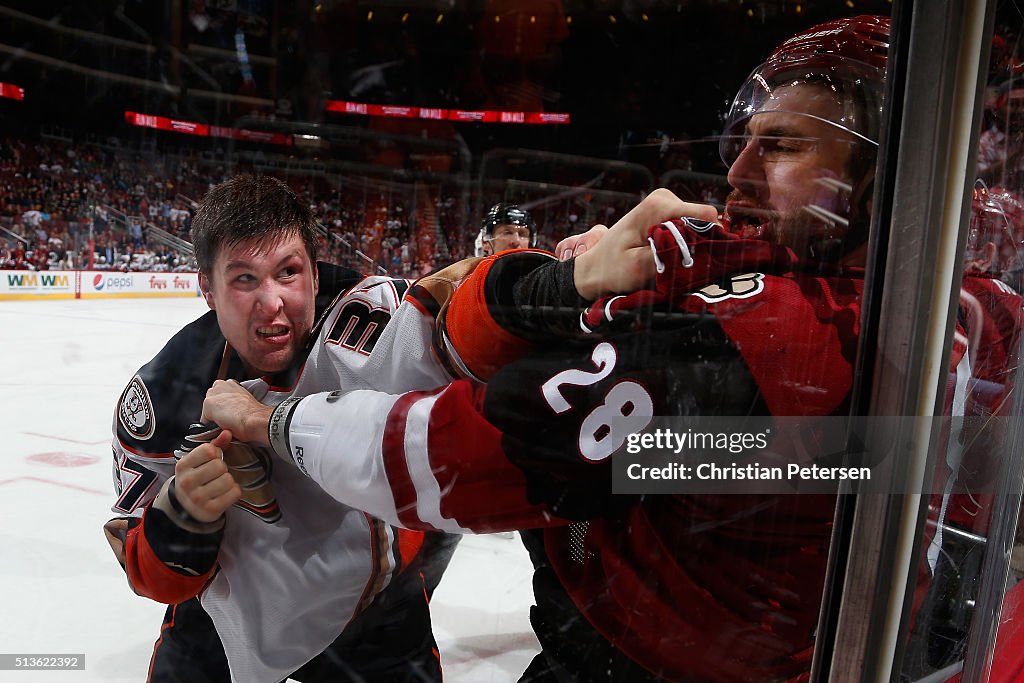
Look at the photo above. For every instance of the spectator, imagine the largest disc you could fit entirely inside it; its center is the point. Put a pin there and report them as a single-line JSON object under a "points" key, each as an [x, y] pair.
{"points": [[1000, 147]]}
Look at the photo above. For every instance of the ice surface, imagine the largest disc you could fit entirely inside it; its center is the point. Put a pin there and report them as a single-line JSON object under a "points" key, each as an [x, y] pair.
{"points": [[63, 365]]}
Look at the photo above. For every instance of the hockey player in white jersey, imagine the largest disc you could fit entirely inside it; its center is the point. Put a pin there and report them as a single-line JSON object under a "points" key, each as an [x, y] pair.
{"points": [[257, 243], [280, 584]]}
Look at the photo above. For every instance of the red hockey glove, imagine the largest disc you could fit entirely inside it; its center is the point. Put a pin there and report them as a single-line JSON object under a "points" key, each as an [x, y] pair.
{"points": [[690, 254]]}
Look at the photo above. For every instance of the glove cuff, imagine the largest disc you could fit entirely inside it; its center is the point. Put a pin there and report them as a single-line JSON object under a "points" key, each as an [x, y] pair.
{"points": [[277, 427]]}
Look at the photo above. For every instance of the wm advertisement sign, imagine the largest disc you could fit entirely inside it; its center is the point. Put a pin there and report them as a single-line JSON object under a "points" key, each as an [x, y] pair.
{"points": [[45, 281], [28, 285]]}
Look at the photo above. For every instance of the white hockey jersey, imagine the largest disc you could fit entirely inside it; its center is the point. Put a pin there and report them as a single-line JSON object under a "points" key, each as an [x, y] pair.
{"points": [[283, 588], [260, 600]]}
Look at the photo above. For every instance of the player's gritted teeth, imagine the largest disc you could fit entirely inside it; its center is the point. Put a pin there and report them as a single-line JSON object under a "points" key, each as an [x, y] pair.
{"points": [[746, 217], [272, 332]]}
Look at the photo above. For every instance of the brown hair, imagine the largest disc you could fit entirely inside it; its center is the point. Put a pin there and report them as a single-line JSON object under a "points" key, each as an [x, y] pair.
{"points": [[250, 208]]}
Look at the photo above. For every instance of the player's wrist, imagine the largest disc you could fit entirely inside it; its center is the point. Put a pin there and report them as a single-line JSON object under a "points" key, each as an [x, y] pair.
{"points": [[257, 426], [276, 431], [168, 502], [587, 285]]}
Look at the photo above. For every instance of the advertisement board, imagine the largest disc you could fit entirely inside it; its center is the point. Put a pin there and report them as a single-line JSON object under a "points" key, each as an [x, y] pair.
{"points": [[106, 285], [91, 284], [27, 284]]}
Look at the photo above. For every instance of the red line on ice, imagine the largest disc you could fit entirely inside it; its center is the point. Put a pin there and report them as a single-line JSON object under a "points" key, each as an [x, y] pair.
{"points": [[62, 438], [55, 483]]}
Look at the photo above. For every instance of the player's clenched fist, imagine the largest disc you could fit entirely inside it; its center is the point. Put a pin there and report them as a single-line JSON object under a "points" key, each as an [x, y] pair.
{"points": [[203, 485], [618, 260], [232, 407]]}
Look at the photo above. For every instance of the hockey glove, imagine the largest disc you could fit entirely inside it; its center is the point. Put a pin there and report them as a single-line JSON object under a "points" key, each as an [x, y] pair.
{"points": [[250, 466]]}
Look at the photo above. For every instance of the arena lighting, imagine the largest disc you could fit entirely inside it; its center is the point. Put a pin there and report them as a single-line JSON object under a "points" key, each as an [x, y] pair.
{"points": [[463, 115], [204, 130], [309, 141], [13, 92]]}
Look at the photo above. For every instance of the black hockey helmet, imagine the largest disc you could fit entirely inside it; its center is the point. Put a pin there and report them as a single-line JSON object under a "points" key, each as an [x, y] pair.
{"points": [[505, 214]]}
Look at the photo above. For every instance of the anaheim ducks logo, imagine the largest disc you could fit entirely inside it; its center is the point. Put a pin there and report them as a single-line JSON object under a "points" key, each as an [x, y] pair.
{"points": [[135, 410], [741, 286]]}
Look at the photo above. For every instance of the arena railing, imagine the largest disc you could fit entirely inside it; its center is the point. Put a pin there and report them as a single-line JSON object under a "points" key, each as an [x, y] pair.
{"points": [[369, 264], [15, 236], [161, 236]]}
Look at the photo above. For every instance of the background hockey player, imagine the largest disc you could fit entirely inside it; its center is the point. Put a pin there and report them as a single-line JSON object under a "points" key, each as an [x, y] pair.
{"points": [[256, 246], [505, 226]]}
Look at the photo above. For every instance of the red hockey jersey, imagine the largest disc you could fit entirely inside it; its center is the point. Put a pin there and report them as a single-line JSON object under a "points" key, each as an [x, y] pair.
{"points": [[710, 588]]}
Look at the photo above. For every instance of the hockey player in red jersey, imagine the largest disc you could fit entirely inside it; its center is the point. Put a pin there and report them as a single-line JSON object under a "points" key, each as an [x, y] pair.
{"points": [[667, 587], [762, 318], [991, 317]]}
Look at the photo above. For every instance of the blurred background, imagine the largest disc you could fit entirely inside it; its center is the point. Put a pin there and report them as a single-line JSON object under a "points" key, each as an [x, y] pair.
{"points": [[400, 122]]}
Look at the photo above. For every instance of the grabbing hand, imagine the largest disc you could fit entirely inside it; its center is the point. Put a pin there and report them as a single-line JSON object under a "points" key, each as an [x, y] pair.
{"points": [[575, 245], [233, 408], [202, 483], [618, 260]]}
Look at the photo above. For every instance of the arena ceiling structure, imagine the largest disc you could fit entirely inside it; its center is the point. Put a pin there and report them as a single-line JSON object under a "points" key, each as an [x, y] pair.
{"points": [[626, 73]]}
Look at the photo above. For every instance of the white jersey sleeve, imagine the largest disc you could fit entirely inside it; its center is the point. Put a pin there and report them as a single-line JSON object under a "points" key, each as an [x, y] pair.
{"points": [[424, 460]]}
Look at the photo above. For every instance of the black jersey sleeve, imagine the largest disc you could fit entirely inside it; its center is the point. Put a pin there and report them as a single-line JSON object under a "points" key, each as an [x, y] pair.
{"points": [[534, 296]]}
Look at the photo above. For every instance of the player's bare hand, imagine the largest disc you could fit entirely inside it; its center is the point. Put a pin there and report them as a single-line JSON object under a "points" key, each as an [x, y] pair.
{"points": [[574, 245], [232, 407], [202, 483], [621, 259]]}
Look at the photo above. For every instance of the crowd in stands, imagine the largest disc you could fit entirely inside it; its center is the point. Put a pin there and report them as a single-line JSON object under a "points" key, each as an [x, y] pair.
{"points": [[56, 198], [93, 205]]}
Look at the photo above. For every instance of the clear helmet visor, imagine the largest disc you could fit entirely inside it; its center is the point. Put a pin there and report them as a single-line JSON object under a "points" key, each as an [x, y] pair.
{"points": [[801, 147], [845, 95]]}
